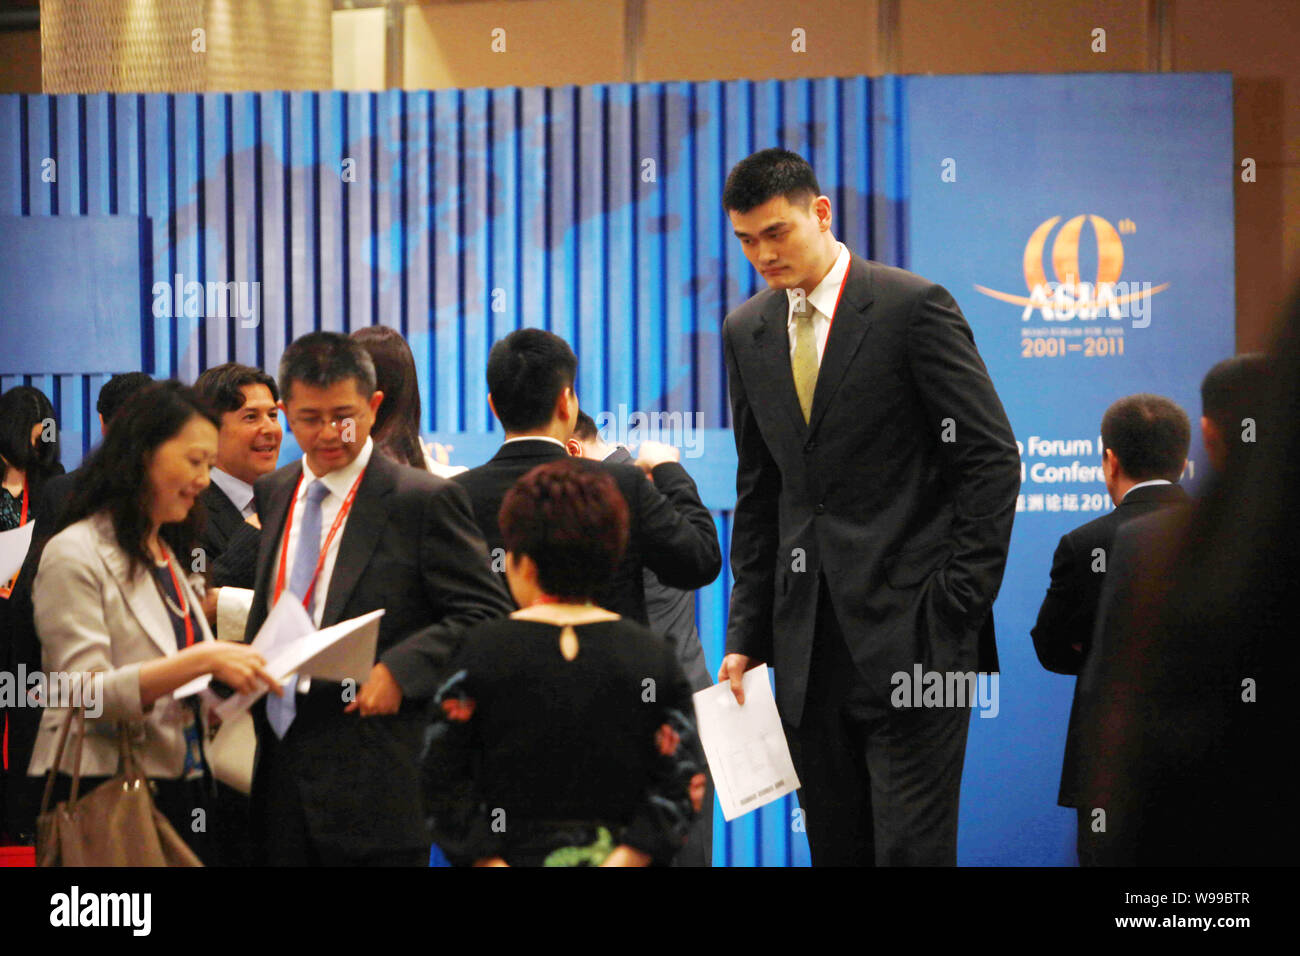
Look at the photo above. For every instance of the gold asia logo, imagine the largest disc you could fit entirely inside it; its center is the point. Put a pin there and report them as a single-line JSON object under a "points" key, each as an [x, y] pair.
{"points": [[1068, 298]]}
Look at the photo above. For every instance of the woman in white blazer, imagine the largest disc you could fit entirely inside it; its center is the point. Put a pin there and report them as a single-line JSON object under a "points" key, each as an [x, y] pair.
{"points": [[112, 597]]}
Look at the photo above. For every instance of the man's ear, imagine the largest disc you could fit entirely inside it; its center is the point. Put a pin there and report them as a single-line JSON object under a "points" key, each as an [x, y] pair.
{"points": [[822, 210], [493, 407], [573, 447], [376, 400]]}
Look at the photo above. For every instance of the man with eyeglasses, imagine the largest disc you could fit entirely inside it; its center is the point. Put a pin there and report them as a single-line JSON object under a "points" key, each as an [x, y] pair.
{"points": [[346, 532]]}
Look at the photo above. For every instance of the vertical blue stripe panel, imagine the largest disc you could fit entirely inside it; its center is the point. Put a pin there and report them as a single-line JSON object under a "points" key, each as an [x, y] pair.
{"points": [[456, 217]]}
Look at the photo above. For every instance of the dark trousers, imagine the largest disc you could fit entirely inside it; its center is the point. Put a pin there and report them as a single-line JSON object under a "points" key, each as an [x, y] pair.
{"points": [[698, 849], [879, 785], [280, 830]]}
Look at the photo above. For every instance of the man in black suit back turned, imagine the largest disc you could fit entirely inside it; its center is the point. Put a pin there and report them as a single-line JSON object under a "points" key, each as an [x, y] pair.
{"points": [[1144, 440], [530, 388]]}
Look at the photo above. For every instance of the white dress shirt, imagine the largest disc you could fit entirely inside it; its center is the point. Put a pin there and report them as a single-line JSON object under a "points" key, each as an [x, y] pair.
{"points": [[1143, 484], [554, 441], [239, 492], [339, 482], [822, 300]]}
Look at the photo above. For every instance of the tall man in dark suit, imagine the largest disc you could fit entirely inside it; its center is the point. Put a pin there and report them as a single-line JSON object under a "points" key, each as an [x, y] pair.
{"points": [[1145, 440], [876, 488], [530, 381], [348, 531]]}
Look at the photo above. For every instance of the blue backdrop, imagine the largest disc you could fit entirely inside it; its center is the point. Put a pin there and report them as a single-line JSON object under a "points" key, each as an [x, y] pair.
{"points": [[458, 216]]}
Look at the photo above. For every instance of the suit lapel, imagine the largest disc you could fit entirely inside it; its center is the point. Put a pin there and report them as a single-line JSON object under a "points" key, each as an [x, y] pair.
{"points": [[772, 339], [849, 325], [365, 525], [138, 591], [222, 513]]}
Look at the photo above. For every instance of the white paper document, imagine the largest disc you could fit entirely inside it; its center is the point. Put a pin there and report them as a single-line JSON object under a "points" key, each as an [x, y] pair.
{"points": [[343, 651], [291, 644], [231, 752], [745, 745], [14, 545], [233, 606]]}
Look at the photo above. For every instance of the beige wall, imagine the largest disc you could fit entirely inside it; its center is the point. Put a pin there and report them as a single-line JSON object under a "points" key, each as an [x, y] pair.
{"points": [[546, 43], [448, 44]]}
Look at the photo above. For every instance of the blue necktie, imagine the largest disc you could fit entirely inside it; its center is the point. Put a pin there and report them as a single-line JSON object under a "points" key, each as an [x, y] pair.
{"points": [[280, 711]]}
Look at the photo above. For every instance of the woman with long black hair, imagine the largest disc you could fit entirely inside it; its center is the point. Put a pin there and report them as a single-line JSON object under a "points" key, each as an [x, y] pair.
{"points": [[113, 596]]}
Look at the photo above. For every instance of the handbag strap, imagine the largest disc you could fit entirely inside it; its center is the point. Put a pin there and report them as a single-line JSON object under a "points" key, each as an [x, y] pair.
{"points": [[125, 755], [73, 714]]}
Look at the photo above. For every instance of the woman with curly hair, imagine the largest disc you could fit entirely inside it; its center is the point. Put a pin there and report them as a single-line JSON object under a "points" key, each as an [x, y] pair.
{"points": [[565, 736]]}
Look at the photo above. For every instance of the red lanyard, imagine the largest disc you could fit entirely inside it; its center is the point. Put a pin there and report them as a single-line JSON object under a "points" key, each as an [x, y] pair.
{"points": [[843, 283], [325, 550], [185, 603], [22, 520]]}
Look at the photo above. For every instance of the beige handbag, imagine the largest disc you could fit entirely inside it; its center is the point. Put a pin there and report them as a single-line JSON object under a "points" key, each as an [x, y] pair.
{"points": [[116, 824]]}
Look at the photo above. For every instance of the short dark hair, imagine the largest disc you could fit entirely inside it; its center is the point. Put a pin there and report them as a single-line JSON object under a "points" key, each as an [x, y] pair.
{"points": [[117, 390], [527, 371], [222, 386], [22, 408], [1232, 390], [115, 476], [322, 359], [1149, 434], [584, 429], [570, 518], [767, 174]]}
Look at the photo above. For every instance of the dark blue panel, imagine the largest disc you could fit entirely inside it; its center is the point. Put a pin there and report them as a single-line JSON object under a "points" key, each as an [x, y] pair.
{"points": [[71, 298]]}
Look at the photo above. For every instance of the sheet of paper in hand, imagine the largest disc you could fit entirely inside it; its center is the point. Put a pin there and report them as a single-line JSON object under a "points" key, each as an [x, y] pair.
{"points": [[745, 745]]}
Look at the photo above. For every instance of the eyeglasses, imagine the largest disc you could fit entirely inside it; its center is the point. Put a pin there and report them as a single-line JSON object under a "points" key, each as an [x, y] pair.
{"points": [[313, 423]]}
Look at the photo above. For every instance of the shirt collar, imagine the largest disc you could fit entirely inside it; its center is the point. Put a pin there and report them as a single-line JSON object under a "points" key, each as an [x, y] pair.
{"points": [[239, 492], [554, 441], [1144, 484], [823, 297], [340, 480]]}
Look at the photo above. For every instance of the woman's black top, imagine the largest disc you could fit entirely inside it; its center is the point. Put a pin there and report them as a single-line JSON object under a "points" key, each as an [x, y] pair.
{"points": [[548, 761]]}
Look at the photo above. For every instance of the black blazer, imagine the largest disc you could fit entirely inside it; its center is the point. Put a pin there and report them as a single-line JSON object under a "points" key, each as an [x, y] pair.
{"points": [[671, 610], [670, 531], [410, 546], [55, 495], [230, 543], [223, 520], [1069, 611], [900, 492]]}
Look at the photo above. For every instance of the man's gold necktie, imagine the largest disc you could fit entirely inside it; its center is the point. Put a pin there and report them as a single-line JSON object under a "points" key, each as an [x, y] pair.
{"points": [[804, 362]]}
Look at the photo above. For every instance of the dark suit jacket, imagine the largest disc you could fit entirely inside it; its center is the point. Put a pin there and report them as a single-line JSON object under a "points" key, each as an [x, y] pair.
{"points": [[223, 521], [671, 611], [231, 543], [410, 546], [900, 492], [55, 495], [1069, 610], [670, 531], [1117, 698]]}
